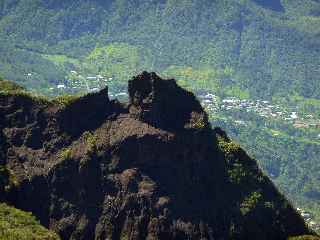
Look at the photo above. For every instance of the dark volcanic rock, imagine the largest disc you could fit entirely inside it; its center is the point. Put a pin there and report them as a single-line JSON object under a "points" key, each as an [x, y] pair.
{"points": [[163, 104], [153, 170], [87, 113]]}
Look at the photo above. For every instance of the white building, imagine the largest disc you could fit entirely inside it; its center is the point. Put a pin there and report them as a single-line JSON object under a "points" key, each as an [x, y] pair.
{"points": [[94, 90], [209, 95], [121, 94], [305, 215], [294, 115]]}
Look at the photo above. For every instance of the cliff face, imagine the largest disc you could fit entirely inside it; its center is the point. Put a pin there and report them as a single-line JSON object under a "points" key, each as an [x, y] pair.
{"points": [[150, 169]]}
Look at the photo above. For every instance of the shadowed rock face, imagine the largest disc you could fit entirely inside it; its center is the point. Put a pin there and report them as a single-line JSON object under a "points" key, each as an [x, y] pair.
{"points": [[163, 104], [151, 169], [87, 113]]}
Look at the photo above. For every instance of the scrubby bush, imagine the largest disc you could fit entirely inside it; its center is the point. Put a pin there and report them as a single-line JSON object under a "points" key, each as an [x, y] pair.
{"points": [[65, 100], [65, 154], [236, 173], [250, 202], [305, 237], [91, 142], [199, 124], [8, 86], [228, 147]]}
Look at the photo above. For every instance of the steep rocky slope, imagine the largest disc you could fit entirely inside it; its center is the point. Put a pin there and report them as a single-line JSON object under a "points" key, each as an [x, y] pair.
{"points": [[153, 168]]}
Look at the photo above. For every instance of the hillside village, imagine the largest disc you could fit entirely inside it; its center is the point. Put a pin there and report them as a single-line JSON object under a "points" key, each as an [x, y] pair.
{"points": [[308, 218], [79, 83], [264, 109]]}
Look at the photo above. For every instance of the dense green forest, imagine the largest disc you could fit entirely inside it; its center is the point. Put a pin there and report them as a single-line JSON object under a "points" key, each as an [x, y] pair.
{"points": [[249, 49], [270, 48]]}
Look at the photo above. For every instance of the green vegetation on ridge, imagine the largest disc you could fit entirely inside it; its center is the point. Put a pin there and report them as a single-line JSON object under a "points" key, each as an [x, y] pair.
{"points": [[16, 224]]}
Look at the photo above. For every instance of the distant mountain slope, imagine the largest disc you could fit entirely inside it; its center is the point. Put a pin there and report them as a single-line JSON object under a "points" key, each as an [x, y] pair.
{"points": [[274, 5], [91, 168], [271, 47]]}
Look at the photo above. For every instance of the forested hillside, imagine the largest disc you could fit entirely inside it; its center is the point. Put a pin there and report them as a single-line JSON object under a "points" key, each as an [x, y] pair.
{"points": [[270, 48]]}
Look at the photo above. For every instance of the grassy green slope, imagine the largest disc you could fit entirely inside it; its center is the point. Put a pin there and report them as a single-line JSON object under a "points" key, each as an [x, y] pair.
{"points": [[16, 224]]}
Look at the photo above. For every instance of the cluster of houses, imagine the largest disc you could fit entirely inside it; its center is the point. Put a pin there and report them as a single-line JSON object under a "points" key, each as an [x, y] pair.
{"points": [[262, 108], [91, 83], [210, 102], [308, 218], [77, 82]]}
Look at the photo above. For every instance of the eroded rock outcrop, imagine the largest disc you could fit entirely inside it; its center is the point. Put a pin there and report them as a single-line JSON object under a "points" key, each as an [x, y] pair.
{"points": [[151, 169], [164, 104]]}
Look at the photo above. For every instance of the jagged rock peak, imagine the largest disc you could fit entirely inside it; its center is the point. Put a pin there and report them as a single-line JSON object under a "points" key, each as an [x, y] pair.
{"points": [[165, 105], [86, 113]]}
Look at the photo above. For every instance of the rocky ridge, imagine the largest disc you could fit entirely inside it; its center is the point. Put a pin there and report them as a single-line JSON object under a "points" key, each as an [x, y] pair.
{"points": [[149, 169]]}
